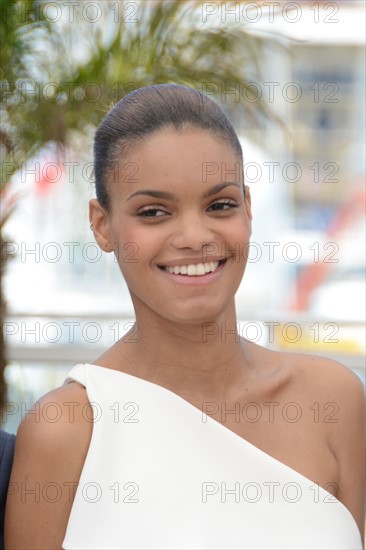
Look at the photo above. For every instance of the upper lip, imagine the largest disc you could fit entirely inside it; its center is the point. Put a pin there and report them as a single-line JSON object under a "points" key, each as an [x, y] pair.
{"points": [[190, 261]]}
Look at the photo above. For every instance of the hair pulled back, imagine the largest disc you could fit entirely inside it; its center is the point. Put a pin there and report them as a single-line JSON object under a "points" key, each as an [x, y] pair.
{"points": [[145, 110]]}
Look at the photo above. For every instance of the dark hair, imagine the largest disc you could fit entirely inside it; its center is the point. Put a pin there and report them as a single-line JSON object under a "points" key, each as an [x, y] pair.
{"points": [[147, 109]]}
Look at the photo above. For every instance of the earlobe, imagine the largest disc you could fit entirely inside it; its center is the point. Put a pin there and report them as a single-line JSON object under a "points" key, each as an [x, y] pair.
{"points": [[99, 224]]}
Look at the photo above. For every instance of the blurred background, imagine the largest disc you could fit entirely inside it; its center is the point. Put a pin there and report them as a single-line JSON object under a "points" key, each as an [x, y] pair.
{"points": [[291, 77]]}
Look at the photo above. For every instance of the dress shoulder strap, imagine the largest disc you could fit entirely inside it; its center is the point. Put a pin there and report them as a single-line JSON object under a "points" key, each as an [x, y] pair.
{"points": [[77, 374]]}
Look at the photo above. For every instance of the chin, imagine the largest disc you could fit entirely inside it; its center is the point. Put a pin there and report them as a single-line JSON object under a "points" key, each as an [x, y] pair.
{"points": [[193, 310], [199, 313]]}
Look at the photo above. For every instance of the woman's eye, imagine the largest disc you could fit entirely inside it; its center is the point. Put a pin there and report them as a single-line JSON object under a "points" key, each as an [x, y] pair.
{"points": [[151, 213], [222, 206]]}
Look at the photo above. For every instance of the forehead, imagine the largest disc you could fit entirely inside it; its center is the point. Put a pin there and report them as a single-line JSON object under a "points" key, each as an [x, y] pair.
{"points": [[177, 159]]}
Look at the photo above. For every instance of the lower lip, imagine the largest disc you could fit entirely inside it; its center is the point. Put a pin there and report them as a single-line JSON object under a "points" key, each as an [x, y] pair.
{"points": [[195, 280]]}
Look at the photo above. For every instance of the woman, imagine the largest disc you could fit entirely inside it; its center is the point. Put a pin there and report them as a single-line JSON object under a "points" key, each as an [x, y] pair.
{"points": [[151, 448]]}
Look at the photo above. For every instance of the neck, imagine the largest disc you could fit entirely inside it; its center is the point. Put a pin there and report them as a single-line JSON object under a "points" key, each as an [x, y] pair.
{"points": [[200, 360]]}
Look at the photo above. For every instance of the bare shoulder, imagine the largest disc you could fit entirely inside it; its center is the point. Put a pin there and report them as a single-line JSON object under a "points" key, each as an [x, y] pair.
{"points": [[52, 442], [321, 384], [335, 387], [311, 374], [322, 375]]}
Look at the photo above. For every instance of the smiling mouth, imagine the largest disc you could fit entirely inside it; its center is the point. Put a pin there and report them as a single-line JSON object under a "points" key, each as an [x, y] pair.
{"points": [[193, 270]]}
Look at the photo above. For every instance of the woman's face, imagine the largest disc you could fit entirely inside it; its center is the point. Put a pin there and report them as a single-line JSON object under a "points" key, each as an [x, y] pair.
{"points": [[179, 224]]}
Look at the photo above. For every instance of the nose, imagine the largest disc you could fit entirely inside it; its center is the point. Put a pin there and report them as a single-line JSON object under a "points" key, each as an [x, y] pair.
{"points": [[191, 231]]}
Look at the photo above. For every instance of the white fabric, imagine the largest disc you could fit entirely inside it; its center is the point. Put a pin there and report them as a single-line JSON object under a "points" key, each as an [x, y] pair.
{"points": [[160, 474]]}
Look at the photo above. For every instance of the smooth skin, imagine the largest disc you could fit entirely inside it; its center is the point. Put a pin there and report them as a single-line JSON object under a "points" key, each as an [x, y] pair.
{"points": [[204, 217]]}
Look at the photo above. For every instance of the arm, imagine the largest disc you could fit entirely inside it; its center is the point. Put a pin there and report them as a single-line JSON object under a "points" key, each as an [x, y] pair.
{"points": [[348, 442], [7, 442], [48, 460]]}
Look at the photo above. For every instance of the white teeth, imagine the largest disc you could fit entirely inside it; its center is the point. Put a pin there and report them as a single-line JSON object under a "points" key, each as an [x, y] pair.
{"points": [[193, 269]]}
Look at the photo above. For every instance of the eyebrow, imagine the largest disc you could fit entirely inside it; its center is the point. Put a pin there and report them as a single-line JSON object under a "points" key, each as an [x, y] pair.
{"points": [[169, 196]]}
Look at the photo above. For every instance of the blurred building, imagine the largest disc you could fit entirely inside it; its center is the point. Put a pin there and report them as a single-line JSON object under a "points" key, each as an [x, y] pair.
{"points": [[328, 119], [326, 105]]}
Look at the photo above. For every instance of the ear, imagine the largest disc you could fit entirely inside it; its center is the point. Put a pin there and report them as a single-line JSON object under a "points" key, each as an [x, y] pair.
{"points": [[248, 203], [99, 222]]}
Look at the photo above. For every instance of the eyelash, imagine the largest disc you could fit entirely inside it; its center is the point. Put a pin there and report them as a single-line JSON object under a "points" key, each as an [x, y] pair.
{"points": [[231, 204]]}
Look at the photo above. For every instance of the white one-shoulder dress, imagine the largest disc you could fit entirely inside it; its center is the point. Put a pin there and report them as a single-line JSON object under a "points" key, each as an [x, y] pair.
{"points": [[161, 474]]}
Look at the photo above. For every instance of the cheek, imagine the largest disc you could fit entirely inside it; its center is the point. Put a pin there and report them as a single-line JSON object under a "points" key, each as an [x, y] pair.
{"points": [[239, 237], [136, 246]]}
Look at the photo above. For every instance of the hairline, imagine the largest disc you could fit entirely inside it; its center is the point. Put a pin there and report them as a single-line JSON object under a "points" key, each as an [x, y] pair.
{"points": [[122, 147]]}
